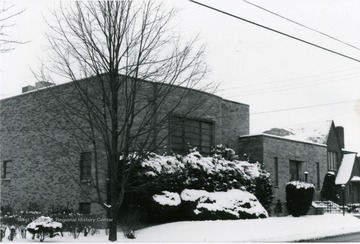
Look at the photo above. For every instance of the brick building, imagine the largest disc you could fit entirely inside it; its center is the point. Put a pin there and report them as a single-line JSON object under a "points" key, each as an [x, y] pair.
{"points": [[304, 152], [43, 164]]}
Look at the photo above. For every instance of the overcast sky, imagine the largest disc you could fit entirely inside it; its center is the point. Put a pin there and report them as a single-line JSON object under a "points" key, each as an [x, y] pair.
{"points": [[253, 65]]}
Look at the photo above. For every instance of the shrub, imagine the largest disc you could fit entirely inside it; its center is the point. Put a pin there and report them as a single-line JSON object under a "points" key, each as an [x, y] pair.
{"points": [[20, 218], [164, 207], [130, 223], [76, 223], [233, 204], [44, 226], [328, 191], [129, 234], [278, 208], [264, 190], [299, 196], [223, 152], [174, 173]]}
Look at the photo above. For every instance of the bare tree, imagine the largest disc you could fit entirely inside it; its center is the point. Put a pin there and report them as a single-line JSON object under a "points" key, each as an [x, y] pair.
{"points": [[110, 50], [7, 14]]}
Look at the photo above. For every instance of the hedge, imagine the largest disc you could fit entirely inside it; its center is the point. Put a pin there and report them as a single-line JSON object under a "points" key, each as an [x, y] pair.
{"points": [[299, 196]]}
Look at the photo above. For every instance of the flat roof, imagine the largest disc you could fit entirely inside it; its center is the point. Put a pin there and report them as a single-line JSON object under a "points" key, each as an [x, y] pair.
{"points": [[153, 82]]}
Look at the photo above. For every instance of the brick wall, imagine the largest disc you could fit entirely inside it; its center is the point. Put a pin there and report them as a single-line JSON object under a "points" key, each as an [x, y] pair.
{"points": [[44, 149], [285, 150], [265, 149], [252, 147]]}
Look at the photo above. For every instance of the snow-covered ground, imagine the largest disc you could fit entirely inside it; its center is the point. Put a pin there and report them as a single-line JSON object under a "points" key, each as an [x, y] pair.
{"points": [[260, 230]]}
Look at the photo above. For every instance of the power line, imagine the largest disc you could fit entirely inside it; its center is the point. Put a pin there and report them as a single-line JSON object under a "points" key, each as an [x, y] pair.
{"points": [[302, 25], [276, 31], [290, 86], [304, 107], [293, 79]]}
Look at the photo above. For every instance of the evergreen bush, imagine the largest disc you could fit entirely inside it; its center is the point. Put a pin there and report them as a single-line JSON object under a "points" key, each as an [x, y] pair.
{"points": [[299, 196], [328, 191], [174, 173], [164, 207], [230, 205], [264, 190]]}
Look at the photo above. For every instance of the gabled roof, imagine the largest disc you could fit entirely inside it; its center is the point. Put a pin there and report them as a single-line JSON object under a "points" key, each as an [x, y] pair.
{"points": [[314, 132], [345, 169]]}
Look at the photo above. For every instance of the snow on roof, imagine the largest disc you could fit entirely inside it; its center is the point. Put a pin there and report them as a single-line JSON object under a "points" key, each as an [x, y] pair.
{"points": [[345, 169], [355, 179], [315, 132]]}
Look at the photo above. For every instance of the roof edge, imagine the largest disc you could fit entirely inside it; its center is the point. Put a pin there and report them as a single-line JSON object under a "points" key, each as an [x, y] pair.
{"points": [[283, 138], [147, 81]]}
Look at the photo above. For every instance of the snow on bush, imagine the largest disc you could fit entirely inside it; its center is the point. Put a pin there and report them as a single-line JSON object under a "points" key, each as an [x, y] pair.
{"points": [[44, 226], [164, 207], [174, 173], [158, 164], [221, 151], [299, 196], [46, 222], [198, 172], [301, 184], [167, 198], [233, 204], [218, 166]]}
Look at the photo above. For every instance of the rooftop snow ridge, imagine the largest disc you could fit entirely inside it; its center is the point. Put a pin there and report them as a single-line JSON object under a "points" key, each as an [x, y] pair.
{"points": [[315, 132], [285, 138]]}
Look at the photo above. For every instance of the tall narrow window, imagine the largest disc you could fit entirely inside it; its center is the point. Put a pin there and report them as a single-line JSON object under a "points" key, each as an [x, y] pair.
{"points": [[7, 169], [295, 167], [276, 170], [186, 132], [84, 208], [318, 175], [332, 158], [85, 166]]}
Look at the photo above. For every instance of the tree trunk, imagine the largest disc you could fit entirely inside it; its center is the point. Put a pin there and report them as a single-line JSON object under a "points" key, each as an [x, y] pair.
{"points": [[113, 225], [113, 212]]}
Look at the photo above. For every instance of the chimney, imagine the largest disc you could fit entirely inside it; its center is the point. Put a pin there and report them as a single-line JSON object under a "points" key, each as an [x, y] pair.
{"points": [[28, 88], [339, 131], [42, 84]]}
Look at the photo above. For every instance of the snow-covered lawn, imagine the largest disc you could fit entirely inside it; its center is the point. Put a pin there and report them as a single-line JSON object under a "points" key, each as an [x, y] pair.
{"points": [[256, 230]]}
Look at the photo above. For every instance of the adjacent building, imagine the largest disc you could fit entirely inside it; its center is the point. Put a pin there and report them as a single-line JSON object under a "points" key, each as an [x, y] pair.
{"points": [[305, 152], [43, 162]]}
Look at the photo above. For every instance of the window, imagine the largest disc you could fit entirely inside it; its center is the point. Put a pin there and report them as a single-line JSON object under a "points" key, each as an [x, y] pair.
{"points": [[318, 175], [84, 208], [85, 166], [7, 169], [276, 170], [295, 168], [196, 133], [332, 159]]}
